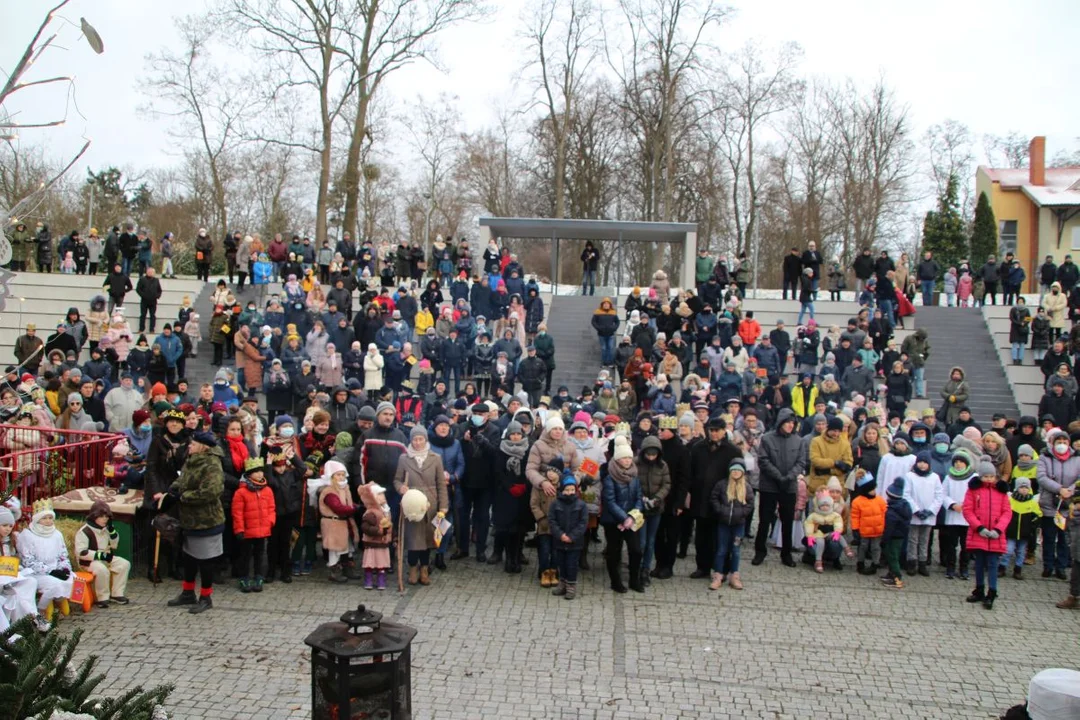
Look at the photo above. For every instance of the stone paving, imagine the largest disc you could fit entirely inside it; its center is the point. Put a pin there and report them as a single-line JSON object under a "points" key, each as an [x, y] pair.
{"points": [[492, 646]]}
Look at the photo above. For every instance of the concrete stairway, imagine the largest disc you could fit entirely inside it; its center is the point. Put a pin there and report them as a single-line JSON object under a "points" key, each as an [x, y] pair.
{"points": [[44, 299], [959, 336], [577, 349], [1025, 380], [768, 310]]}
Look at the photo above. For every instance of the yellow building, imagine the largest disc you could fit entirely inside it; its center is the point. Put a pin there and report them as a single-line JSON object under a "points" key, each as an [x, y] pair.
{"points": [[1037, 210]]}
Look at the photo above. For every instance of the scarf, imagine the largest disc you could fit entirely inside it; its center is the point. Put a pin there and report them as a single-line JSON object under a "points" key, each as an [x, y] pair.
{"points": [[515, 451], [1026, 464], [41, 530], [998, 456], [619, 475], [419, 455], [238, 450]]}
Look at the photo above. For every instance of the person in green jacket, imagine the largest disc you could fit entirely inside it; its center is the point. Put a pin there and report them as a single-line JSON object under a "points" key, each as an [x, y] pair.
{"points": [[21, 241], [703, 267], [198, 491], [545, 350]]}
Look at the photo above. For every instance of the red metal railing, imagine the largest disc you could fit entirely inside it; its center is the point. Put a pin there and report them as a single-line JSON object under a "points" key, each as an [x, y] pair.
{"points": [[40, 462]]}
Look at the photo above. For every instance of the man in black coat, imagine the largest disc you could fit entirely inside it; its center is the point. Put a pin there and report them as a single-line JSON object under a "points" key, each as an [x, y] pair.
{"points": [[811, 258], [480, 445], [62, 341], [883, 265], [129, 248], [792, 272], [863, 268], [1068, 274], [1047, 274], [531, 373], [709, 463], [149, 291], [781, 461], [677, 457]]}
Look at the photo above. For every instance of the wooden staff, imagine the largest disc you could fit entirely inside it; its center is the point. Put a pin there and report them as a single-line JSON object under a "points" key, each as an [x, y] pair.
{"points": [[401, 552], [157, 544]]}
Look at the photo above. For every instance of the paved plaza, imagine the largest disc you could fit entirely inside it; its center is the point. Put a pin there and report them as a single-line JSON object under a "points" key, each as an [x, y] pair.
{"points": [[492, 646]]}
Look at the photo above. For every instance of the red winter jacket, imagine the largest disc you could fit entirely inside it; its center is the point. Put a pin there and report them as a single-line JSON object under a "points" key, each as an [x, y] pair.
{"points": [[987, 506], [253, 511]]}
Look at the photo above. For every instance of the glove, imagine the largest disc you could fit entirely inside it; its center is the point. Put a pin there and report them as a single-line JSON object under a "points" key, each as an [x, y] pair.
{"points": [[239, 536], [836, 536], [810, 541], [61, 573], [102, 556], [440, 515], [993, 534], [842, 466], [856, 538], [924, 514], [983, 532]]}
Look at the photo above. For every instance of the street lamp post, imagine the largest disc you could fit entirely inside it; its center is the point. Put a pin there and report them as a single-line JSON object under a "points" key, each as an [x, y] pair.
{"points": [[755, 239]]}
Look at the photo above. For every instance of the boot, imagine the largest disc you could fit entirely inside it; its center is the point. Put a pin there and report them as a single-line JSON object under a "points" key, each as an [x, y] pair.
{"points": [[571, 591], [787, 560], [204, 603], [583, 563], [949, 573], [560, 588], [545, 579], [717, 581], [759, 557], [440, 561], [352, 572], [860, 567], [257, 585], [734, 581], [923, 570], [425, 577], [382, 580], [1001, 570], [65, 607], [414, 574], [186, 597], [245, 585], [337, 574], [988, 601], [495, 558], [368, 580], [1017, 574], [976, 595], [912, 567], [1071, 602], [635, 581]]}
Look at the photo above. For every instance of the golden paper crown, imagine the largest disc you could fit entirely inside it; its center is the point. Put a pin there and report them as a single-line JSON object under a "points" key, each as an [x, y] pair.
{"points": [[41, 506], [255, 463], [669, 423], [622, 428]]}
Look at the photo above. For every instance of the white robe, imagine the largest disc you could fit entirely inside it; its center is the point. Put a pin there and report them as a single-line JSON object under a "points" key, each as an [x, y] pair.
{"points": [[41, 555], [17, 594]]}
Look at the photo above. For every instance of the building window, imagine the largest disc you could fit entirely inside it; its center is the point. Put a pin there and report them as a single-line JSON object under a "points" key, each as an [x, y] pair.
{"points": [[1007, 233], [1076, 238]]}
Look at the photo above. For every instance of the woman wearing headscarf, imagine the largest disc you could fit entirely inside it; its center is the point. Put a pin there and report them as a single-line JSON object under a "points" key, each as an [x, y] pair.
{"points": [[511, 512], [202, 518], [421, 469]]}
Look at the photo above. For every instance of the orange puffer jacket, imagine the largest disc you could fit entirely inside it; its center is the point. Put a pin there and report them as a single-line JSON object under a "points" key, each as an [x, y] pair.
{"points": [[253, 511], [868, 516]]}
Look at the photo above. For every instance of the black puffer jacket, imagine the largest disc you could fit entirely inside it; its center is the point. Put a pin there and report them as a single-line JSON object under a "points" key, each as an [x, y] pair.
{"points": [[780, 457], [709, 463], [730, 512], [655, 477]]}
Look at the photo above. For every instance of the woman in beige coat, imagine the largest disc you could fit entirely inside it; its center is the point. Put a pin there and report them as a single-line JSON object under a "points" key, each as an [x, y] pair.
{"points": [[1055, 304], [420, 469]]}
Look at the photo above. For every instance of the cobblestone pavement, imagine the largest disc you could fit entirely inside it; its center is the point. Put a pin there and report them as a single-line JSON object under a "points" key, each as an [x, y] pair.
{"points": [[792, 644]]}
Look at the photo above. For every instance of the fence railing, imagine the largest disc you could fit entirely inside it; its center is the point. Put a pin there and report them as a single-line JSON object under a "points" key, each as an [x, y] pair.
{"points": [[41, 462]]}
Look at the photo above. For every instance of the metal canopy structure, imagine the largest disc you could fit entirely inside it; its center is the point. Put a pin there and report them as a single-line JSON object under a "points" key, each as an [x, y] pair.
{"points": [[618, 230]]}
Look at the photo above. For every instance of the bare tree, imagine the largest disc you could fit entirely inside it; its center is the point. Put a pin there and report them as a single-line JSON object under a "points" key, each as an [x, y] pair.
{"points": [[490, 168], [949, 147], [435, 129], [658, 69], [757, 85], [306, 43], [1010, 151], [874, 155], [563, 38], [207, 102], [388, 35]]}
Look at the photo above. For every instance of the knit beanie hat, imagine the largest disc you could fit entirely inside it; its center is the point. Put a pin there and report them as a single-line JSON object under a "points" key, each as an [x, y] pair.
{"points": [[824, 502], [554, 422], [986, 468], [1025, 449], [622, 448], [6, 516], [281, 420], [896, 490], [834, 423], [834, 484], [1021, 482], [343, 441], [418, 431], [687, 419], [383, 406]]}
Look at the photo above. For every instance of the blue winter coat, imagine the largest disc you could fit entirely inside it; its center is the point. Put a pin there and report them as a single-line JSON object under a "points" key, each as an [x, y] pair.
{"points": [[618, 499], [170, 348], [453, 459], [897, 519]]}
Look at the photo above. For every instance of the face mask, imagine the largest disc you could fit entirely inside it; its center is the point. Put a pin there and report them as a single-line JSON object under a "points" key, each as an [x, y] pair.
{"points": [[287, 432], [477, 420], [918, 441], [1061, 448], [941, 448], [144, 428]]}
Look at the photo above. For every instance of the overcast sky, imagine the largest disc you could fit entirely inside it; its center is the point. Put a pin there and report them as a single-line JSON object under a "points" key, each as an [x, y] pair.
{"points": [[993, 65]]}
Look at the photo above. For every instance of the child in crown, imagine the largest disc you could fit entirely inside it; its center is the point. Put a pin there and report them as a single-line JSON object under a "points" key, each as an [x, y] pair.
{"points": [[253, 515], [44, 554]]}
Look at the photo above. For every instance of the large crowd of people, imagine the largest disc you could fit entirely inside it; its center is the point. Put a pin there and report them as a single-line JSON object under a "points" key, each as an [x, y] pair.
{"points": [[395, 414]]}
